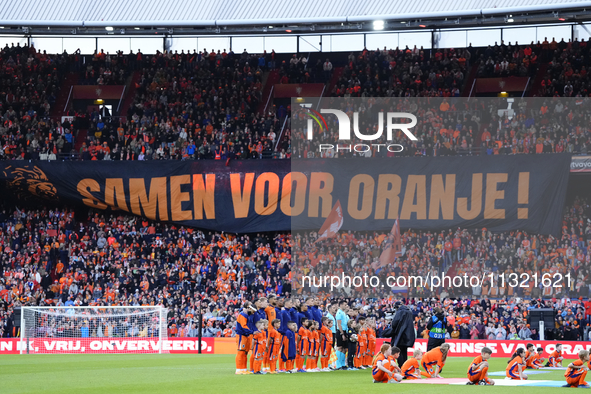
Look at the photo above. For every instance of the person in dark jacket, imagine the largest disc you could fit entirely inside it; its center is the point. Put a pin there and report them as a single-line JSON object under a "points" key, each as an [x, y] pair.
{"points": [[436, 326], [464, 331], [403, 332]]}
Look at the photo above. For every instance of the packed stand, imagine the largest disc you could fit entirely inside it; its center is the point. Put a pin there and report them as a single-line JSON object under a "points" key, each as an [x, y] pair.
{"points": [[30, 81], [447, 127], [204, 105], [403, 73], [458, 252], [507, 60], [566, 69], [104, 68], [53, 257]]}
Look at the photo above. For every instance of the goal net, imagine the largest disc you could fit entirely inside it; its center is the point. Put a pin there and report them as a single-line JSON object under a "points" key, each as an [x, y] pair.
{"points": [[93, 329]]}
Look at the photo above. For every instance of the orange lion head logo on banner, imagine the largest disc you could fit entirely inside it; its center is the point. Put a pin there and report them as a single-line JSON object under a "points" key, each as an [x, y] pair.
{"points": [[32, 179]]}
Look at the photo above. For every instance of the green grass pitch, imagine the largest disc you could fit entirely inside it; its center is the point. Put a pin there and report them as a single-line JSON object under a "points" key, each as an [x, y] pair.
{"points": [[114, 374]]}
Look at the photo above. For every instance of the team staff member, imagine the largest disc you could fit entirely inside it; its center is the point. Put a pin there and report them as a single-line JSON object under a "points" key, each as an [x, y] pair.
{"points": [[436, 327]]}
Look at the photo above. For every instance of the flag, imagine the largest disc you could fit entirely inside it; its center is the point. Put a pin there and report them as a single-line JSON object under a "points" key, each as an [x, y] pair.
{"points": [[392, 247], [333, 357], [313, 259], [332, 224]]}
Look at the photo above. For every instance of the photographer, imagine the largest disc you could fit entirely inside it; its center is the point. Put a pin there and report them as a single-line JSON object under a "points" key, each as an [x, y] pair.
{"points": [[436, 326]]}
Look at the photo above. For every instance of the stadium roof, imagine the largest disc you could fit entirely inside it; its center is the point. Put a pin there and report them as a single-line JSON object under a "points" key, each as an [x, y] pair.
{"points": [[178, 13]]}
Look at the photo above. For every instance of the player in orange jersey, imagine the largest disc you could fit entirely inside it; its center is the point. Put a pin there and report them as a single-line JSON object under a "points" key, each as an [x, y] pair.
{"points": [[517, 365], [536, 361], [244, 333], [478, 370], [325, 343], [577, 370], [556, 358], [434, 360], [312, 361], [260, 345], [382, 370], [302, 345], [410, 368], [371, 343], [274, 346], [361, 345], [271, 315]]}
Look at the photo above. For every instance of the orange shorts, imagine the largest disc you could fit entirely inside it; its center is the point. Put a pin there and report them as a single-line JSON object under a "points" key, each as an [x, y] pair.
{"points": [[243, 342]]}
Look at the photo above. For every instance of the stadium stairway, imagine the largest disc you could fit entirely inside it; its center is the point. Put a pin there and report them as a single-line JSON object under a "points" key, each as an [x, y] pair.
{"points": [[269, 80], [536, 85], [451, 272], [469, 81], [57, 110], [130, 95], [334, 79], [336, 75], [80, 138]]}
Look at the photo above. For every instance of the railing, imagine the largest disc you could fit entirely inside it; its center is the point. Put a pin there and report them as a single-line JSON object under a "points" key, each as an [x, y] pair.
{"points": [[269, 99], [68, 101], [75, 156], [281, 133]]}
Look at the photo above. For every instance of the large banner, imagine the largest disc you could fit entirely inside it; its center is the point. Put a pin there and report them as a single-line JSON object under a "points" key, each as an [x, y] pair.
{"points": [[242, 197], [499, 193]]}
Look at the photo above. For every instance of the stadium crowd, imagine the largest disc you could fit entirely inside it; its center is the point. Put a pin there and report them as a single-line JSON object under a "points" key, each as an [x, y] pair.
{"points": [[403, 73], [104, 68], [204, 104], [30, 80], [54, 257], [566, 73]]}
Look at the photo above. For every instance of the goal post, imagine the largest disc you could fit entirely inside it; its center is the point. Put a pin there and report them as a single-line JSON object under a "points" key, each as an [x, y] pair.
{"points": [[93, 329]]}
